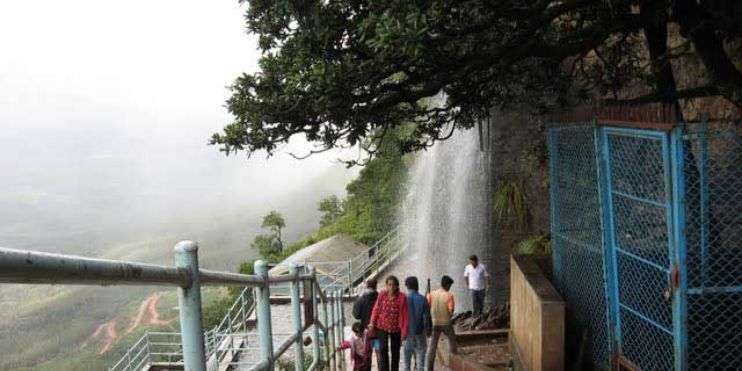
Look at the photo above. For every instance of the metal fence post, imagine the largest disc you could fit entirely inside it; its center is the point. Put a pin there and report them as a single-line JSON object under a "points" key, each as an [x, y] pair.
{"points": [[128, 359], [189, 302], [149, 350], [342, 315], [315, 317], [331, 327], [339, 327], [296, 316], [326, 333], [350, 276], [264, 314], [680, 299]]}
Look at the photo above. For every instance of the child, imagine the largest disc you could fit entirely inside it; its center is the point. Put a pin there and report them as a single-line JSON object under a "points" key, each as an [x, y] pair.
{"points": [[360, 347]]}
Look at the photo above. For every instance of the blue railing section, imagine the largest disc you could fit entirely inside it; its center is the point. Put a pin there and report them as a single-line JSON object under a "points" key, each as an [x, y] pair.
{"points": [[245, 338], [190, 348], [647, 241]]}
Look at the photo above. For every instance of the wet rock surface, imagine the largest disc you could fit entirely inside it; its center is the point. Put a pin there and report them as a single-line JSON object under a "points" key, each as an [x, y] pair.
{"points": [[497, 317]]}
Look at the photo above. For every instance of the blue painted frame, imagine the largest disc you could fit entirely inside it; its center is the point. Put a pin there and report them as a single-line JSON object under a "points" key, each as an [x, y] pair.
{"points": [[674, 205], [680, 300], [610, 272]]}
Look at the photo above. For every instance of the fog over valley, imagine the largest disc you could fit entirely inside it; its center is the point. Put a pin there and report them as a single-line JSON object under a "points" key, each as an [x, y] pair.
{"points": [[106, 110]]}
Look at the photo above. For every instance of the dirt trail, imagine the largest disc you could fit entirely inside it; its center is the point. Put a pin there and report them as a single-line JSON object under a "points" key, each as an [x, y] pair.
{"points": [[148, 308], [147, 313], [154, 316], [109, 337]]}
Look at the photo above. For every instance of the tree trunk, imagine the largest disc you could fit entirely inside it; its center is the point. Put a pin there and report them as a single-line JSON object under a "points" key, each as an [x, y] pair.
{"points": [[654, 18]]}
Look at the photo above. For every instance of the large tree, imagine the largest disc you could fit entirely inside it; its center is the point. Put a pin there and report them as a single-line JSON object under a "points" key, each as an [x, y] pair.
{"points": [[344, 72]]}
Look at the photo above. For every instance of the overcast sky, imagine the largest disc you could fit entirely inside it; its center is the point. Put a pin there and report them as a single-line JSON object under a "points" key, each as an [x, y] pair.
{"points": [[161, 57], [102, 98]]}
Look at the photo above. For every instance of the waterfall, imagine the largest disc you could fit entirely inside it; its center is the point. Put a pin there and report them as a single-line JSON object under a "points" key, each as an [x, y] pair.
{"points": [[445, 215]]}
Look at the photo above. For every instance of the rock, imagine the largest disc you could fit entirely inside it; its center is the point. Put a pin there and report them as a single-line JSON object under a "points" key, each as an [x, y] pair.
{"points": [[497, 317]]}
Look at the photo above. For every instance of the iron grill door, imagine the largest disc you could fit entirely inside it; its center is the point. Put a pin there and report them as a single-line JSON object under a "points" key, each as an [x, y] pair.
{"points": [[640, 248]]}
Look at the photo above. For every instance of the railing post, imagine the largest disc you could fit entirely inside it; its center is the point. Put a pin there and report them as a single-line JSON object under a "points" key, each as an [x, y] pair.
{"points": [[326, 333], [243, 324], [189, 302], [149, 349], [331, 327], [315, 317], [339, 327], [128, 359], [350, 276], [296, 317], [263, 307], [342, 316]]}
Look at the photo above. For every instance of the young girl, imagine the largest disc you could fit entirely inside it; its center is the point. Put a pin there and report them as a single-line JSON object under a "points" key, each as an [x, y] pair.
{"points": [[360, 347]]}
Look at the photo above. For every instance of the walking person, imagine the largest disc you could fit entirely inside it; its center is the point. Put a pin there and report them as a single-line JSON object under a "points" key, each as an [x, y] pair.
{"points": [[419, 326], [476, 276], [362, 308], [442, 307], [389, 323], [364, 304]]}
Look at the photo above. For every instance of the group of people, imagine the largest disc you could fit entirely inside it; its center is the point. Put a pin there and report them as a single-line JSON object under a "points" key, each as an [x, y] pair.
{"points": [[389, 320]]}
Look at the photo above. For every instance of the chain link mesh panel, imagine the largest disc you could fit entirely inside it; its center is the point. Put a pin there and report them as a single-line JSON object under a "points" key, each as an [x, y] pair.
{"points": [[576, 237], [713, 174], [639, 205], [638, 184]]}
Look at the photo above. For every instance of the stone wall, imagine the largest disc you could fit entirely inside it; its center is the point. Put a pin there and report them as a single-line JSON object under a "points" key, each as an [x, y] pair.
{"points": [[518, 153]]}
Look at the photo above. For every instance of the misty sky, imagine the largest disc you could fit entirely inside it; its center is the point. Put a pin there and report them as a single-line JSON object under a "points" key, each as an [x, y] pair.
{"points": [[106, 108]]}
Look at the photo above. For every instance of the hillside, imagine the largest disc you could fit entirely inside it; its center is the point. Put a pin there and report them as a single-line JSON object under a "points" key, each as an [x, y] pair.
{"points": [[54, 327]]}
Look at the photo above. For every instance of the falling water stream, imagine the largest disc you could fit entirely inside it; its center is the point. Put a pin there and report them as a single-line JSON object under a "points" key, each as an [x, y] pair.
{"points": [[445, 214]]}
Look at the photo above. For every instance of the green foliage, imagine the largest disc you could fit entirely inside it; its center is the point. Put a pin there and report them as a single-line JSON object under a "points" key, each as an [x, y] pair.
{"points": [[268, 246], [510, 202], [247, 267], [331, 208], [342, 72], [373, 198], [214, 311], [275, 223], [534, 245]]}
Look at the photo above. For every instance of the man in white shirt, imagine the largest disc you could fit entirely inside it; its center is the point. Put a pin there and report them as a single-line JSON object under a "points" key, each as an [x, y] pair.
{"points": [[476, 280]]}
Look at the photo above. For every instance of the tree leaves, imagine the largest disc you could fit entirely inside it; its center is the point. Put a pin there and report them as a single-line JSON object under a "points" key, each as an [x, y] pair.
{"points": [[344, 72]]}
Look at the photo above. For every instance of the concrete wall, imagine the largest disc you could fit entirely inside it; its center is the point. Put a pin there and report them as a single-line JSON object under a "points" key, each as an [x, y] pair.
{"points": [[536, 318]]}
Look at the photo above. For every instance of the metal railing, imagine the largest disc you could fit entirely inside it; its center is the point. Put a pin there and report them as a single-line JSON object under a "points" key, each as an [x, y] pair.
{"points": [[228, 343], [347, 274], [152, 348], [31, 267]]}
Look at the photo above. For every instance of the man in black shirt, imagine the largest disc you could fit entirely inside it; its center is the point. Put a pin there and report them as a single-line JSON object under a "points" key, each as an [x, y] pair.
{"points": [[364, 304], [362, 309]]}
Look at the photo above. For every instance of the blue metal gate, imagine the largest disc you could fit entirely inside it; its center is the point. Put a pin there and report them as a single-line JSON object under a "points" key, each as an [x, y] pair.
{"points": [[646, 230], [640, 191]]}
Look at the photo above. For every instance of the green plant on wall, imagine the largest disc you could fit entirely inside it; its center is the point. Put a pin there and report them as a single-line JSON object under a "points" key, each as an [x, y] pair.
{"points": [[534, 245], [510, 202]]}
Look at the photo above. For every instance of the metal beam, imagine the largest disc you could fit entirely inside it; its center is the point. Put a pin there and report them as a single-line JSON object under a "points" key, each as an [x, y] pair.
{"points": [[35, 267]]}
